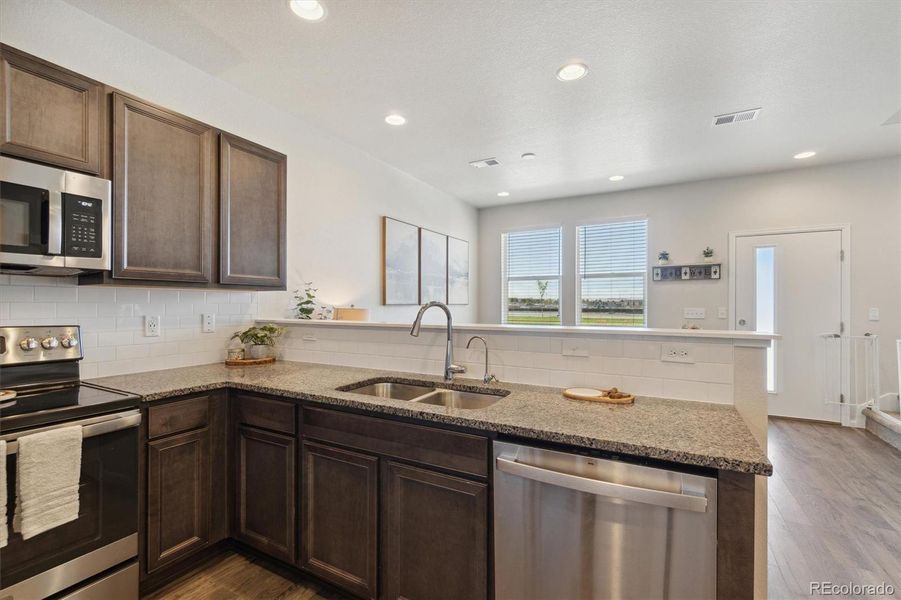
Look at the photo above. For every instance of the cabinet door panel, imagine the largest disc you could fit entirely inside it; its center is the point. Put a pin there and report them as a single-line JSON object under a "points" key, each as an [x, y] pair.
{"points": [[266, 487], [339, 507], [434, 535], [252, 184], [49, 114], [178, 496], [163, 167]]}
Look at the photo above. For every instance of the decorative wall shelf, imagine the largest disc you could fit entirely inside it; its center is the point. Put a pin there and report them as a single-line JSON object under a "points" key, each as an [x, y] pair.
{"points": [[687, 272]]}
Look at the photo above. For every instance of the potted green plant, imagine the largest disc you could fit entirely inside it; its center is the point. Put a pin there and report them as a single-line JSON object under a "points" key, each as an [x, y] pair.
{"points": [[259, 340], [663, 257], [305, 302], [708, 254]]}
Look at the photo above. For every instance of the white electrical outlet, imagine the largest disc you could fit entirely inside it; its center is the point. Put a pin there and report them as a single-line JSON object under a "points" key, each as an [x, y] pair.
{"points": [[680, 353], [151, 326], [694, 313], [209, 322], [873, 314]]}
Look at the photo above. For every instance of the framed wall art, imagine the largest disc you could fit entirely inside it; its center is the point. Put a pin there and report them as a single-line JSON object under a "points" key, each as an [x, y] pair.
{"points": [[400, 262]]}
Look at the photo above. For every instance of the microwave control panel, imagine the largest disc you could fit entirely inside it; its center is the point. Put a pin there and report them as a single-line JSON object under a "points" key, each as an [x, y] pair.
{"points": [[83, 226]]}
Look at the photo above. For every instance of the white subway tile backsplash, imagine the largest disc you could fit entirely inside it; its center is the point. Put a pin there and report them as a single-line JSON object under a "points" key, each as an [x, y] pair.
{"points": [[112, 321], [56, 293], [32, 310]]}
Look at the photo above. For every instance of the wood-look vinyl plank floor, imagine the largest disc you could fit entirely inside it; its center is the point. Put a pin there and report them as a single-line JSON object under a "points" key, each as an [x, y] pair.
{"points": [[232, 576], [834, 515], [834, 508]]}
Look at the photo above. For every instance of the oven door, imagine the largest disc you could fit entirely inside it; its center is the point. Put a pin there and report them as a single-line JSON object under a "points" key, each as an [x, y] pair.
{"points": [[31, 214], [105, 533]]}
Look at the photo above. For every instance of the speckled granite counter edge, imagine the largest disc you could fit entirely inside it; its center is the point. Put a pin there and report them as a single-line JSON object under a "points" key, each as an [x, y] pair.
{"points": [[763, 467]]}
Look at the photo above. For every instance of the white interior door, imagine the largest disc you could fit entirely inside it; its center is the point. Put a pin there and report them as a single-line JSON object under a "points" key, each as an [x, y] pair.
{"points": [[791, 284]]}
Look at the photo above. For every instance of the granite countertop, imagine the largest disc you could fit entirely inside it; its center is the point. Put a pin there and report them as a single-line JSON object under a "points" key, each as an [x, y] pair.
{"points": [[693, 433]]}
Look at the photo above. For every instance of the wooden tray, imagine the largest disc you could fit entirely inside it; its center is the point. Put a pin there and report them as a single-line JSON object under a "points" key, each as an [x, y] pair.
{"points": [[249, 362], [593, 395]]}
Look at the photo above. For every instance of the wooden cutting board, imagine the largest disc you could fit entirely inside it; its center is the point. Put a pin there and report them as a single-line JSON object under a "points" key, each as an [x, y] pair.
{"points": [[594, 395], [249, 362]]}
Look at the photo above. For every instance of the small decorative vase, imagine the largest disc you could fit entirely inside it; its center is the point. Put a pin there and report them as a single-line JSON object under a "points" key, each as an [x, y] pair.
{"points": [[708, 259], [260, 351], [662, 261]]}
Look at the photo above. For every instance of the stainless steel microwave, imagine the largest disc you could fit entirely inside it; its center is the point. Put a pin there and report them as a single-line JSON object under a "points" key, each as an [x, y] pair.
{"points": [[52, 222]]}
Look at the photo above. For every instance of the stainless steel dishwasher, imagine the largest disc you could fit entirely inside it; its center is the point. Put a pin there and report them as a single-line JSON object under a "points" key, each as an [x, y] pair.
{"points": [[573, 527]]}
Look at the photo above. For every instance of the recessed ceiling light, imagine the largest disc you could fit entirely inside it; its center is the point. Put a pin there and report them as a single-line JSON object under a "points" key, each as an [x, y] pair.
{"points": [[616, 178], [310, 10], [572, 72], [807, 154], [395, 119], [503, 194], [528, 156]]}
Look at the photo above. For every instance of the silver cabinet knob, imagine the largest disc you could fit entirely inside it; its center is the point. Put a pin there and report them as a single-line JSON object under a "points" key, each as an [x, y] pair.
{"points": [[28, 344], [50, 343], [69, 341]]}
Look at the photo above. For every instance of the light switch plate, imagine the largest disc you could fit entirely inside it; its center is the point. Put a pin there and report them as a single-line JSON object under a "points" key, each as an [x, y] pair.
{"points": [[722, 312], [680, 353], [209, 322], [694, 313], [151, 326], [873, 314]]}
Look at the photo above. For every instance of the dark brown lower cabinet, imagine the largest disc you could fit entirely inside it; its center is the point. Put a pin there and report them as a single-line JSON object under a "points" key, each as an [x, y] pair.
{"points": [[434, 535], [178, 496], [340, 511], [265, 487]]}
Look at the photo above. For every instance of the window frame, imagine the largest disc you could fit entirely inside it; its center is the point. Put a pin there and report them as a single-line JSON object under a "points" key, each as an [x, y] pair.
{"points": [[577, 284], [505, 280]]}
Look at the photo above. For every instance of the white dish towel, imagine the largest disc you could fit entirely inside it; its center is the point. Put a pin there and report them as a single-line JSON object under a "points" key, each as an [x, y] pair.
{"points": [[48, 470], [4, 533]]}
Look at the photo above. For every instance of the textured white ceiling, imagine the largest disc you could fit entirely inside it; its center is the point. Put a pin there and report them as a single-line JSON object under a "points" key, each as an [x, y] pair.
{"points": [[477, 79]]}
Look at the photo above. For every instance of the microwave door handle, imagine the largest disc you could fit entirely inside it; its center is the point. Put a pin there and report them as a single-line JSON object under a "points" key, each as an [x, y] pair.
{"points": [[55, 223], [603, 488]]}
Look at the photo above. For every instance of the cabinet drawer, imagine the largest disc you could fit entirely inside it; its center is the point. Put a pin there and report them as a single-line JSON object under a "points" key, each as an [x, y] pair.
{"points": [[427, 445], [265, 413], [174, 417]]}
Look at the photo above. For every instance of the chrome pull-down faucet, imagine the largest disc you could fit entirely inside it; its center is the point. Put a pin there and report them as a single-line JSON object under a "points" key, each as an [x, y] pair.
{"points": [[449, 367]]}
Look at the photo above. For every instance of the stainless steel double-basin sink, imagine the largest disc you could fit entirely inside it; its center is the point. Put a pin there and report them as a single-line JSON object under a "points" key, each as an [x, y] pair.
{"points": [[426, 393]]}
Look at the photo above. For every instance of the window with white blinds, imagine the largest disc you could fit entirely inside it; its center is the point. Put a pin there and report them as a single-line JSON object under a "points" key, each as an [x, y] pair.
{"points": [[613, 261], [531, 263]]}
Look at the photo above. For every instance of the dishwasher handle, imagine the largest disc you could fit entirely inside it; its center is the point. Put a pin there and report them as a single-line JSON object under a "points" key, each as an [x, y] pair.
{"points": [[603, 488]]}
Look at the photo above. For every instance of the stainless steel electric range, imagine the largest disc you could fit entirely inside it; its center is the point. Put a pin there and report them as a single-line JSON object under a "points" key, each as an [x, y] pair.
{"points": [[94, 556]]}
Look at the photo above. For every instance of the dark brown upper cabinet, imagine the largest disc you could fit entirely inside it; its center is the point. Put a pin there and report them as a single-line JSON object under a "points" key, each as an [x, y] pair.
{"points": [[163, 188], [252, 211], [49, 114]]}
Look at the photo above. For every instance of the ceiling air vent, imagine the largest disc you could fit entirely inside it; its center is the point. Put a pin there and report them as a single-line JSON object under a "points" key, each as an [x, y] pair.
{"points": [[736, 117], [485, 162]]}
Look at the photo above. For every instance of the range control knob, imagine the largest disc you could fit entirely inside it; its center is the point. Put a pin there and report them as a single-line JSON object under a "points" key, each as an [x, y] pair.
{"points": [[49, 343], [68, 341], [28, 344]]}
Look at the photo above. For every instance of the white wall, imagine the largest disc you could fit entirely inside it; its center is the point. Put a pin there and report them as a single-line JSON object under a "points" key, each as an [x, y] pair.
{"points": [[685, 218], [336, 193]]}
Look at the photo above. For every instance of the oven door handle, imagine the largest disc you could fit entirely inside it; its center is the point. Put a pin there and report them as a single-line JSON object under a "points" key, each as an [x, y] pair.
{"points": [[89, 427], [55, 223]]}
